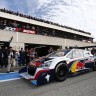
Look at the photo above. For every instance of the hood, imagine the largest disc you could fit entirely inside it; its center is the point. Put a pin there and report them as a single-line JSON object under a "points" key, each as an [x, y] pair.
{"points": [[39, 61]]}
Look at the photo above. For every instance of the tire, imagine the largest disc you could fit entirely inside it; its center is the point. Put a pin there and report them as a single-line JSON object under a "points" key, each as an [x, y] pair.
{"points": [[61, 72]]}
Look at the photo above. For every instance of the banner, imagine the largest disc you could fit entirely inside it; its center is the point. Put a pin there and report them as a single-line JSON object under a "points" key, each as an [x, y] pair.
{"points": [[28, 31], [19, 30]]}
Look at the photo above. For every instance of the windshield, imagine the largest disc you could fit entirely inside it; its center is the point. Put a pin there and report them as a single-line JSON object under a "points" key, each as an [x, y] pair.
{"points": [[59, 53]]}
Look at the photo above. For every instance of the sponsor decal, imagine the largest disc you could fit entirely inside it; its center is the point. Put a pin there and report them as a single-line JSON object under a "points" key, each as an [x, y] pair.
{"points": [[80, 65], [10, 29], [76, 66], [19, 30], [47, 77], [25, 31], [28, 31]]}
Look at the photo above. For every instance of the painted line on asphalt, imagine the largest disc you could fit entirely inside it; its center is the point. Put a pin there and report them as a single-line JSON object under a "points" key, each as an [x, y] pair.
{"points": [[10, 79], [9, 76]]}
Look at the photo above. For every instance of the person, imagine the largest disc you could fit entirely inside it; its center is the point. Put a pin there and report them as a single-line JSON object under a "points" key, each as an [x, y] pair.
{"points": [[27, 56], [32, 54], [17, 58], [11, 60], [60, 47], [50, 50], [66, 50], [93, 51], [22, 57], [6, 56], [1, 57]]}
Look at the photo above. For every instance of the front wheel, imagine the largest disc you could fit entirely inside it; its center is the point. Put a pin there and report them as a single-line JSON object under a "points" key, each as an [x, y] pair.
{"points": [[61, 72]]}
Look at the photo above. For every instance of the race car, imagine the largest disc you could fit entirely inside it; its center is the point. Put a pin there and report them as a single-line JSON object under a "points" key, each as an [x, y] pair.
{"points": [[58, 66]]}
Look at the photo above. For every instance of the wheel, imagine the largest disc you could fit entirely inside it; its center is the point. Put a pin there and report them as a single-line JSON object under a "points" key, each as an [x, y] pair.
{"points": [[61, 72]]}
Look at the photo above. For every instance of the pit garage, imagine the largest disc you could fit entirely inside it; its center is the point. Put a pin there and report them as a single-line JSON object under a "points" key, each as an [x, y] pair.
{"points": [[41, 49]]}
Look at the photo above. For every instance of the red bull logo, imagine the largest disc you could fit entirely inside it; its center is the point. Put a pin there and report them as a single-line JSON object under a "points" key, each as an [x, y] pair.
{"points": [[76, 66], [80, 65]]}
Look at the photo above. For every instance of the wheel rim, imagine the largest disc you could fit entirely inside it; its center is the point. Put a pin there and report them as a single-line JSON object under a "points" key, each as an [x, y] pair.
{"points": [[61, 72]]}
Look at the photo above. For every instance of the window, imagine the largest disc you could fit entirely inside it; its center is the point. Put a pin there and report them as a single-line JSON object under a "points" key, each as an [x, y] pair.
{"points": [[78, 53], [70, 55]]}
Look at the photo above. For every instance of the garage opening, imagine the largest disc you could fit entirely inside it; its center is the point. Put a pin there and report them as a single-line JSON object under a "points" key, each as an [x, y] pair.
{"points": [[41, 49]]}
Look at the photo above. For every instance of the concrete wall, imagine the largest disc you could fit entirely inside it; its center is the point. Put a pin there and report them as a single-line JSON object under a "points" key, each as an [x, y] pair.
{"points": [[20, 38]]}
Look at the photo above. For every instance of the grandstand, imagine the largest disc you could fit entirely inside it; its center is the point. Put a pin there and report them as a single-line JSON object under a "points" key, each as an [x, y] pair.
{"points": [[25, 31]]}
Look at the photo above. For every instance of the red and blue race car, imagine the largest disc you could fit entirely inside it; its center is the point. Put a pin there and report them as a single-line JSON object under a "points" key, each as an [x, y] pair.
{"points": [[58, 66]]}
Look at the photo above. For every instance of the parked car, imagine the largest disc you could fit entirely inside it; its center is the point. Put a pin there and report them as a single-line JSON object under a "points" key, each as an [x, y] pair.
{"points": [[58, 66]]}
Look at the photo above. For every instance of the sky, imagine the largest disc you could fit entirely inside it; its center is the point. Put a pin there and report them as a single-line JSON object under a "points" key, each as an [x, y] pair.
{"points": [[79, 14]]}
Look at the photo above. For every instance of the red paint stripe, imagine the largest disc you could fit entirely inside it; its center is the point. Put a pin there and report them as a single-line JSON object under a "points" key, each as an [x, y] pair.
{"points": [[39, 72]]}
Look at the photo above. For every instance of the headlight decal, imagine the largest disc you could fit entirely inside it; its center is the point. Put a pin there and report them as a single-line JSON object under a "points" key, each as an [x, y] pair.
{"points": [[46, 64]]}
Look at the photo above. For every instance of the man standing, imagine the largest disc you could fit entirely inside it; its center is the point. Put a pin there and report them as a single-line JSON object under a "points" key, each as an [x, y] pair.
{"points": [[93, 51], [6, 56], [1, 57], [22, 57], [27, 59], [11, 60]]}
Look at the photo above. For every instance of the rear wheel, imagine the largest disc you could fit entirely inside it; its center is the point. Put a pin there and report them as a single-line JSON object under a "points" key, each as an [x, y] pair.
{"points": [[61, 72]]}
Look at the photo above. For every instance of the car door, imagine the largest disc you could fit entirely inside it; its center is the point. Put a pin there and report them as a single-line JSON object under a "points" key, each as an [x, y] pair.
{"points": [[75, 62]]}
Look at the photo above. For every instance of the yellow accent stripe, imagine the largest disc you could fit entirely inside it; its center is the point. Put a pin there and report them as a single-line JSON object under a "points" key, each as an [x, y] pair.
{"points": [[74, 67]]}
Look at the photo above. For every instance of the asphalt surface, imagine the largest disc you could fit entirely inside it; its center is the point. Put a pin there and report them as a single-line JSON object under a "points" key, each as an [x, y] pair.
{"points": [[82, 85]]}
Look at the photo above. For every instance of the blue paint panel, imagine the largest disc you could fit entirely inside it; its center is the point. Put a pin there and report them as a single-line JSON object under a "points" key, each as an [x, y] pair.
{"points": [[9, 76], [42, 80], [34, 82]]}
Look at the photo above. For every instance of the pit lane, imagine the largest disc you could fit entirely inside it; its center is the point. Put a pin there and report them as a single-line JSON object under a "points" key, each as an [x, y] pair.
{"points": [[82, 85]]}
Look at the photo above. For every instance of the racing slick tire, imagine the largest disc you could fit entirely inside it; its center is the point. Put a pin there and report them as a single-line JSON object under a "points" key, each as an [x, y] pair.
{"points": [[61, 72]]}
